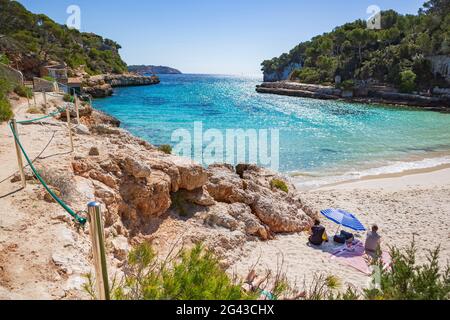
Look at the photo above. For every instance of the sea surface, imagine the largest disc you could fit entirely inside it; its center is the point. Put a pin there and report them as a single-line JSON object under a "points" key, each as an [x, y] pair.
{"points": [[320, 142]]}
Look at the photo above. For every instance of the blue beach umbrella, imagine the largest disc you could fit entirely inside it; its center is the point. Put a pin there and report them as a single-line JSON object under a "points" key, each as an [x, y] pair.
{"points": [[344, 218]]}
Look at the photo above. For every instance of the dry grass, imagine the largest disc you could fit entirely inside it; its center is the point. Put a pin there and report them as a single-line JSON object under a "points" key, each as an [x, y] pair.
{"points": [[35, 110]]}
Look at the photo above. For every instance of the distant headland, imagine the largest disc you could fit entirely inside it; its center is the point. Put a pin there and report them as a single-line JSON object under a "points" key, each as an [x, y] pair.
{"points": [[143, 69]]}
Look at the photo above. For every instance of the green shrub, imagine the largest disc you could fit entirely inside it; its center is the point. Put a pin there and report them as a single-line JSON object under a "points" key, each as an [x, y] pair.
{"points": [[407, 280], [68, 98], [407, 81], [4, 59], [5, 87], [167, 149], [347, 85], [5, 110], [280, 185], [23, 91], [307, 75], [193, 274], [5, 107], [48, 78]]}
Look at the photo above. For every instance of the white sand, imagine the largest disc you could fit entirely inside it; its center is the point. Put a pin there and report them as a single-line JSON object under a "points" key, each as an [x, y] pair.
{"points": [[414, 205]]}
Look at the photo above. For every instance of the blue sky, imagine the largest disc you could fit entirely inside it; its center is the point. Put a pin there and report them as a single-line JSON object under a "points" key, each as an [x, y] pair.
{"points": [[212, 36]]}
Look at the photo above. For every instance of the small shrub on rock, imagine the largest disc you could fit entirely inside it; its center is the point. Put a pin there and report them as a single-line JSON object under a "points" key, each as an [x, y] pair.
{"points": [[34, 110], [67, 98], [280, 185], [407, 81], [23, 91], [167, 149]]}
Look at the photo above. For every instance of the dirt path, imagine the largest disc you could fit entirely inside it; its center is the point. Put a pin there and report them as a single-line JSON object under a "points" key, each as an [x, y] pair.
{"points": [[42, 254]]}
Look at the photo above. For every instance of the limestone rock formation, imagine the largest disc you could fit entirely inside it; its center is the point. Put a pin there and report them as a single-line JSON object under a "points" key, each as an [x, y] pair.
{"points": [[142, 187], [101, 86]]}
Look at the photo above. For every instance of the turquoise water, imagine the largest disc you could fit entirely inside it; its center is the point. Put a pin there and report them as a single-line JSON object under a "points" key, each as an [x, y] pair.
{"points": [[317, 138]]}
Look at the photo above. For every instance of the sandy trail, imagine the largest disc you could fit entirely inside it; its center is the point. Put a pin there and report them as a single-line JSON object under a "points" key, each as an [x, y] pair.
{"points": [[35, 238]]}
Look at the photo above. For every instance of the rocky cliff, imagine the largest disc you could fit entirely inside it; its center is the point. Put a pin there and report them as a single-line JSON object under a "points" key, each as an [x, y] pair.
{"points": [[441, 66], [102, 85], [282, 74]]}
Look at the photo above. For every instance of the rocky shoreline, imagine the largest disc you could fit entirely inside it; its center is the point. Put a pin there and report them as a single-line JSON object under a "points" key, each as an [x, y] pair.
{"points": [[169, 201], [140, 185], [438, 102], [101, 86], [142, 188]]}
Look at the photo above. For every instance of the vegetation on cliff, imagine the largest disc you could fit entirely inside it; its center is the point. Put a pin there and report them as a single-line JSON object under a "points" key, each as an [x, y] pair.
{"points": [[144, 70], [29, 39], [5, 106], [396, 54]]}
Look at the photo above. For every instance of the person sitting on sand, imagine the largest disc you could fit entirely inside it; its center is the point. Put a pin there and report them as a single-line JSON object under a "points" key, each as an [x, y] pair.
{"points": [[373, 242], [318, 234]]}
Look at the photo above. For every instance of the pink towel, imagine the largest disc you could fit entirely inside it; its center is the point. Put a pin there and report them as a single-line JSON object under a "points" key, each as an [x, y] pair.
{"points": [[356, 258]]}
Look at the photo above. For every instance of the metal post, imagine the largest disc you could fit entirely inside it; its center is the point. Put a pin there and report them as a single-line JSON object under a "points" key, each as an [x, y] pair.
{"points": [[69, 125], [19, 155], [28, 99], [98, 250], [34, 98], [45, 98], [77, 109]]}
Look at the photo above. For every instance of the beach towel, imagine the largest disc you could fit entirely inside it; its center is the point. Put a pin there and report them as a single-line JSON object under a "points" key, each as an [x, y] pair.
{"points": [[356, 258]]}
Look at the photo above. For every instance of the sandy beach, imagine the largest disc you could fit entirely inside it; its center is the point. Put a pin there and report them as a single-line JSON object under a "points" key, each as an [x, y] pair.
{"points": [[405, 206]]}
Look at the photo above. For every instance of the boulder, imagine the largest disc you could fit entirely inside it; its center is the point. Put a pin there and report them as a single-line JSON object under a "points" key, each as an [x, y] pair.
{"points": [[253, 225], [198, 196], [82, 129], [120, 247], [94, 151], [137, 169], [281, 216], [192, 175], [84, 110], [236, 217], [149, 198], [224, 185]]}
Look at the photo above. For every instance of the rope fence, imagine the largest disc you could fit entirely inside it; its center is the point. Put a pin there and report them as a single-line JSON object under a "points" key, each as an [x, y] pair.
{"points": [[12, 126], [50, 115], [93, 212]]}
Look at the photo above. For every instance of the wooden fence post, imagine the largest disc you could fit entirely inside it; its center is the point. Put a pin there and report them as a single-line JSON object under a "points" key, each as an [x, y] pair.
{"points": [[77, 109], [19, 154], [45, 98], [69, 125], [98, 250]]}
